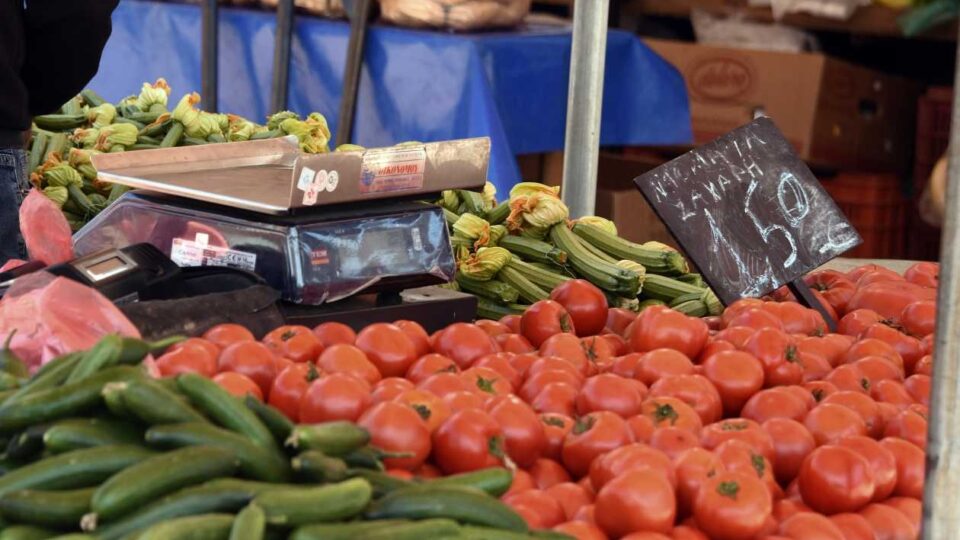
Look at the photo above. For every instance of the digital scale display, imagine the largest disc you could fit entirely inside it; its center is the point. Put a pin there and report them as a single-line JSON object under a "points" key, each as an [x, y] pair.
{"points": [[106, 268]]}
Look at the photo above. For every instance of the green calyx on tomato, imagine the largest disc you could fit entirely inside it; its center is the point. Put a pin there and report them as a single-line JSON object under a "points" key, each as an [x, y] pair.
{"points": [[865, 383], [565, 323], [733, 426], [496, 447], [452, 368], [486, 385], [589, 350], [818, 394], [665, 412], [312, 372], [790, 353], [583, 425], [422, 410], [756, 460], [550, 421], [288, 335], [728, 489]]}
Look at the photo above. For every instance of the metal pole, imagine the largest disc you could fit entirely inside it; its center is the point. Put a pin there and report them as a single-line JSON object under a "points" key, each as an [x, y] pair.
{"points": [[584, 104], [941, 518], [281, 56], [351, 72], [208, 55]]}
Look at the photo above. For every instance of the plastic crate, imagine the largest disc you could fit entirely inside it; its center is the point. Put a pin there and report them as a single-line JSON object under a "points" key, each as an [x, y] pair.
{"points": [[934, 110], [876, 207]]}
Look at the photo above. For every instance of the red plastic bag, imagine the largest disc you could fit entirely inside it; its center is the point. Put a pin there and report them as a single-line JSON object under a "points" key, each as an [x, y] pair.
{"points": [[11, 264], [54, 315], [45, 230]]}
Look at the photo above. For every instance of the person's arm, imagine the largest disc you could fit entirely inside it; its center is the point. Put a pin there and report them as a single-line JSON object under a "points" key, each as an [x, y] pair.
{"points": [[64, 41]]}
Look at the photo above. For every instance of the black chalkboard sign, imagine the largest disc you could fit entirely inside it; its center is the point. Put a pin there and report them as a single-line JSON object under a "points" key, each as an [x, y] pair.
{"points": [[749, 212]]}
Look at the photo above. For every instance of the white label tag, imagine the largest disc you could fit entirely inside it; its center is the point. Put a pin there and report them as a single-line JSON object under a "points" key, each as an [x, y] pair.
{"points": [[333, 180], [306, 177], [392, 169], [189, 253]]}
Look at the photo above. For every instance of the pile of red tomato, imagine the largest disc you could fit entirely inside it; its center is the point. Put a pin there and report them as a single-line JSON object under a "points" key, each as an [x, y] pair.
{"points": [[756, 424]]}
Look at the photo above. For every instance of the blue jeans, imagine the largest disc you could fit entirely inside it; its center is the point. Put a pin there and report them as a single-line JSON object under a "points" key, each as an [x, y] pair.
{"points": [[13, 188]]}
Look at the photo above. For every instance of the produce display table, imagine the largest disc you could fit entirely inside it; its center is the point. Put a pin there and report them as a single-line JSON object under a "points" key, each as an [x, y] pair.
{"points": [[416, 85]]}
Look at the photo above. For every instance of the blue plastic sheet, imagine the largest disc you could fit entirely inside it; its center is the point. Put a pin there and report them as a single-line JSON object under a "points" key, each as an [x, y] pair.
{"points": [[415, 85]]}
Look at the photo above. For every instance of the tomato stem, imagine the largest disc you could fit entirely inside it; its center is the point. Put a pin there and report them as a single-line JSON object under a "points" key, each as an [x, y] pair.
{"points": [[551, 421], [565, 323], [728, 489], [665, 412], [583, 425], [495, 446], [486, 385], [422, 410], [733, 426], [758, 464]]}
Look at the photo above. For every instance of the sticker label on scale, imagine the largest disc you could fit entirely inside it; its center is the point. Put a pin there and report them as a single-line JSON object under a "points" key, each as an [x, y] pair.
{"points": [[392, 169], [306, 177], [192, 253]]}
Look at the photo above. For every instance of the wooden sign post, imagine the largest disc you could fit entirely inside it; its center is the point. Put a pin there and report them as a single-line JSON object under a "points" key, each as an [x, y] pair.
{"points": [[750, 214]]}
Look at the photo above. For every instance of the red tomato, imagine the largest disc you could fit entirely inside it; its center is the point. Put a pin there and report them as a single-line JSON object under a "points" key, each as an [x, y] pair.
{"points": [[735, 335], [835, 479], [251, 359], [188, 358], [673, 441], [666, 411], [756, 318], [796, 319], [875, 273], [443, 383], [888, 523], [522, 481], [685, 532], [538, 381], [512, 322], [493, 328], [514, 343], [522, 430], [288, 388], [802, 393], [569, 348], [663, 328], [883, 465], [348, 359], [695, 390], [609, 392], [599, 351], [736, 375], [739, 456], [919, 388], [911, 508], [298, 343], [544, 319], [828, 423], [388, 347], [732, 505], [625, 366], [738, 307], [792, 442], [909, 426], [334, 397], [694, 467], [741, 429], [228, 334], [790, 505], [461, 401], [332, 333], [465, 344], [919, 318], [820, 389], [716, 345], [618, 319], [546, 473], [638, 500], [432, 410], [810, 526], [555, 429], [924, 366], [617, 345], [581, 530], [467, 441], [572, 497], [389, 389], [538, 508], [659, 363], [856, 321], [592, 435], [500, 363], [418, 336], [395, 427], [586, 304], [861, 404], [853, 526], [777, 351], [558, 398], [878, 368], [774, 403], [907, 347], [642, 427], [849, 377], [487, 381], [430, 364], [238, 385], [925, 274], [834, 286], [889, 298], [208, 346]]}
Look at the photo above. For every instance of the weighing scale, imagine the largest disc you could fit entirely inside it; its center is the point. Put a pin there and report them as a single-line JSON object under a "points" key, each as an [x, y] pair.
{"points": [[343, 236]]}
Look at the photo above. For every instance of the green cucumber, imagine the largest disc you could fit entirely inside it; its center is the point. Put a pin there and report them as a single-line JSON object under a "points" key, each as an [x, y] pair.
{"points": [[416, 530], [474, 532], [159, 476], [202, 527], [300, 506], [250, 524], [27, 444], [10, 363], [465, 505], [62, 401], [152, 403], [56, 509], [256, 462], [277, 422], [105, 353], [314, 466], [342, 531], [367, 457], [77, 433], [50, 375], [336, 438], [494, 481], [224, 408], [382, 482], [26, 532], [77, 469]]}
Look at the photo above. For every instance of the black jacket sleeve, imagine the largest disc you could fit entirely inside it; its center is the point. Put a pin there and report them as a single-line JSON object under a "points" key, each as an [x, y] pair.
{"points": [[64, 41]]}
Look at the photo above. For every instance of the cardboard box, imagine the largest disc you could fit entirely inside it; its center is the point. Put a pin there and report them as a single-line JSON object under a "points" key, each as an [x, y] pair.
{"points": [[836, 114], [619, 200]]}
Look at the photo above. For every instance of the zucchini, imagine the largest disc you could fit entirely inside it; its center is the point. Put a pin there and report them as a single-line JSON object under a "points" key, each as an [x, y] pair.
{"points": [[149, 401], [92, 98], [173, 136], [342, 531], [465, 505], [26, 532], [314, 466], [493, 289], [143, 146], [279, 425], [269, 134], [157, 129], [450, 217], [256, 462], [123, 120], [539, 276], [192, 141], [202, 527], [527, 290], [225, 409], [473, 202], [494, 481], [336, 438], [667, 289], [499, 214], [597, 252], [533, 250], [487, 309], [144, 118], [294, 507], [216, 138], [148, 140], [56, 403], [77, 469], [60, 122], [160, 475], [657, 261], [607, 276], [693, 279], [55, 509], [59, 143], [691, 308], [416, 530], [75, 434], [38, 149], [73, 105], [250, 524]]}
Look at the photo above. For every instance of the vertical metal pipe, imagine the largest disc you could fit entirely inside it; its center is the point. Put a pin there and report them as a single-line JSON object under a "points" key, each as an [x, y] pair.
{"points": [[281, 56], [941, 510], [584, 104], [351, 72], [208, 55]]}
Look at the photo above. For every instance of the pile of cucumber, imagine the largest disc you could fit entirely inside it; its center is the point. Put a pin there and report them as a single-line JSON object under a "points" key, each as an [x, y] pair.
{"points": [[97, 449], [633, 276]]}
